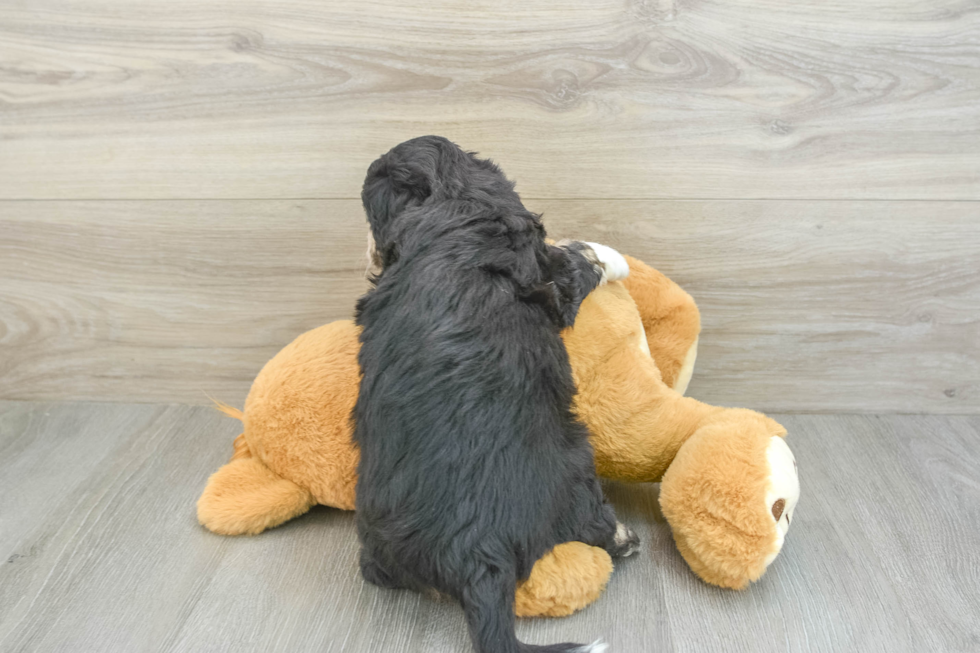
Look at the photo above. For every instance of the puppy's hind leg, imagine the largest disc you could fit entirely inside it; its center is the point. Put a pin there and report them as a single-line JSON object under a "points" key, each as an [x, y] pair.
{"points": [[625, 542], [600, 526], [618, 539], [376, 573]]}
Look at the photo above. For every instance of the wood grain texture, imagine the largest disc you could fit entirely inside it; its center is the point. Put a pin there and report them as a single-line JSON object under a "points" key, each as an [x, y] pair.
{"points": [[167, 301], [806, 306], [815, 306], [607, 98], [100, 551]]}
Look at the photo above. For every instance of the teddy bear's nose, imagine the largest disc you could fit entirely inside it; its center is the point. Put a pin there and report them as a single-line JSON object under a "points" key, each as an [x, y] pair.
{"points": [[777, 508]]}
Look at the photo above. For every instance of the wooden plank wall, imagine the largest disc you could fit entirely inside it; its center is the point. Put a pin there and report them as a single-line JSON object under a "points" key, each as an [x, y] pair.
{"points": [[178, 180]]}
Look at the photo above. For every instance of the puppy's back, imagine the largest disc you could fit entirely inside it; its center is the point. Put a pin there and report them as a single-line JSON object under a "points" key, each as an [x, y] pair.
{"points": [[463, 409]]}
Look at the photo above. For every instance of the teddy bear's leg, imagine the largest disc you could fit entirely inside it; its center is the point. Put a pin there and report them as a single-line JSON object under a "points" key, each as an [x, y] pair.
{"points": [[245, 497], [563, 581], [670, 319], [729, 497]]}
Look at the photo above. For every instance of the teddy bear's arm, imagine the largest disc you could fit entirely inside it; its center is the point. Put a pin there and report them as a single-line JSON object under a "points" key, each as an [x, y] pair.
{"points": [[670, 319]]}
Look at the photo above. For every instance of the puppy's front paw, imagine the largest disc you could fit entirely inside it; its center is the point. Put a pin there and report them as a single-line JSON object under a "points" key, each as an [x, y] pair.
{"points": [[614, 266]]}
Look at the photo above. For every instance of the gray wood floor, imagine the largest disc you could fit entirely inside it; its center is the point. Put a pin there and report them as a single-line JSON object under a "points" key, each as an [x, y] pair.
{"points": [[101, 551]]}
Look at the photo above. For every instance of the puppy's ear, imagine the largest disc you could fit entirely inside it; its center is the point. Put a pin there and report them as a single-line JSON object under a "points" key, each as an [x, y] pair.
{"points": [[393, 184], [406, 177]]}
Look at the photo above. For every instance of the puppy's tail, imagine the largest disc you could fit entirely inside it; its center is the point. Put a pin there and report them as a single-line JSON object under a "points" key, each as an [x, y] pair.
{"points": [[489, 606]]}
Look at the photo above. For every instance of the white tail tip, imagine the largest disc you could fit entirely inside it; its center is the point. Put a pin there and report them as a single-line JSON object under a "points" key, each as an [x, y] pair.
{"points": [[597, 646]]}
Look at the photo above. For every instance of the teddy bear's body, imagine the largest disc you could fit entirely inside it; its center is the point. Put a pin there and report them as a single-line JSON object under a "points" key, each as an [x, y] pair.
{"points": [[631, 349]]}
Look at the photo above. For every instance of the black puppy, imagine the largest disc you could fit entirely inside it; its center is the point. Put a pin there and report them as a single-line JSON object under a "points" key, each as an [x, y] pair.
{"points": [[472, 464]]}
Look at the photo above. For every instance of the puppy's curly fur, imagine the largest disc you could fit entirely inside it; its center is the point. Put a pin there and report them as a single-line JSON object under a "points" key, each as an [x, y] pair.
{"points": [[472, 464]]}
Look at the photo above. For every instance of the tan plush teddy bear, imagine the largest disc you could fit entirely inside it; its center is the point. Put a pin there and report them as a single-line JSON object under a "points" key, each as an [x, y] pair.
{"points": [[728, 481]]}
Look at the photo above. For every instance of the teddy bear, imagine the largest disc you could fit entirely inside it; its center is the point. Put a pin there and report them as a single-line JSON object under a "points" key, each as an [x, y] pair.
{"points": [[729, 484]]}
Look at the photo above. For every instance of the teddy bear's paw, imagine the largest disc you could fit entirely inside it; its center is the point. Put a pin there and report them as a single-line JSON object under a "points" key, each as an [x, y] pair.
{"points": [[625, 543], [783, 491], [613, 264]]}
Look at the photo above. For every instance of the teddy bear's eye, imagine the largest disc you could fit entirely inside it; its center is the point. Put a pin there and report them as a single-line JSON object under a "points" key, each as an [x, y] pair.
{"points": [[777, 508]]}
